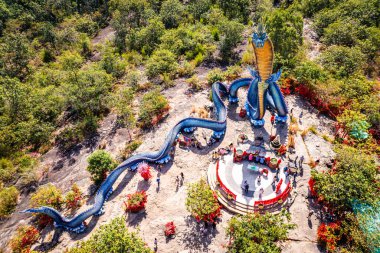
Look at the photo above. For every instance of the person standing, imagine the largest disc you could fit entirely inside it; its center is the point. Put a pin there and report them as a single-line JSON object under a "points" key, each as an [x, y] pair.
{"points": [[158, 180]]}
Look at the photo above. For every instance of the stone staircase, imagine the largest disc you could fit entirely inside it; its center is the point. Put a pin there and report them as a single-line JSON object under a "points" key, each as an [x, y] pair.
{"points": [[235, 206]]}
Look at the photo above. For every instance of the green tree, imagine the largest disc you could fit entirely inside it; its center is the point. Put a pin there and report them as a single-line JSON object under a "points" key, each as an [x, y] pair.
{"points": [[309, 72], [171, 13], [342, 61], [8, 201], [153, 104], [258, 233], [201, 201], [122, 101], [7, 170], [198, 7], [162, 61], [85, 92], [354, 179], [99, 163], [113, 237], [15, 55], [285, 30], [127, 16], [231, 32], [236, 9], [342, 32], [148, 37]]}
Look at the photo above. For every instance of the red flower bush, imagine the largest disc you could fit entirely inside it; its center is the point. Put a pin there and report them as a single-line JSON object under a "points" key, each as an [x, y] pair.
{"points": [[136, 201], [144, 170], [313, 192], [25, 237], [170, 228], [328, 235]]}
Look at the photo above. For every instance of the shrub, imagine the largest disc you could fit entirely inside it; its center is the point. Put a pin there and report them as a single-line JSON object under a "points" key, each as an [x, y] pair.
{"points": [[186, 69], [342, 61], [231, 35], [99, 163], [309, 72], [264, 232], [232, 72], [131, 147], [69, 137], [238, 9], [7, 170], [343, 33], [202, 202], [136, 201], [133, 78], [47, 195], [194, 83], [153, 106], [171, 13], [73, 198], [8, 201], [214, 75], [162, 61], [112, 63], [111, 238], [24, 238]]}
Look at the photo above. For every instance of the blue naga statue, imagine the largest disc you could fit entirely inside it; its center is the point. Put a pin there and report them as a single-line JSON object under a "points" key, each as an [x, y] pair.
{"points": [[261, 94]]}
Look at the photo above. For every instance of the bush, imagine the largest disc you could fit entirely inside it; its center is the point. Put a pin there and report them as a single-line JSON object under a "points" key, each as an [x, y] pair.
{"points": [[99, 163], [342, 61], [238, 9], [285, 31], [130, 148], [152, 109], [309, 73], [231, 35], [133, 78], [112, 238], [7, 170], [232, 72], [136, 201], [194, 83], [264, 231], [171, 13], [73, 198], [113, 64], [186, 69], [202, 202], [8, 201], [148, 37], [24, 238], [47, 195], [162, 61], [343, 33], [214, 75]]}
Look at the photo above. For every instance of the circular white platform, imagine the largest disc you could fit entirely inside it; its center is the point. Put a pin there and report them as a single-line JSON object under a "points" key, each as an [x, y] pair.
{"points": [[233, 176]]}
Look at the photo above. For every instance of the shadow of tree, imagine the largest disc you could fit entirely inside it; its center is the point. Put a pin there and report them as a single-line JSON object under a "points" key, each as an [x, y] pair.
{"points": [[134, 219], [194, 239]]}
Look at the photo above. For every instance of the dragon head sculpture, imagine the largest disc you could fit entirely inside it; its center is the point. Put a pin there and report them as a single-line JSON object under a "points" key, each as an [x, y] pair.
{"points": [[259, 36]]}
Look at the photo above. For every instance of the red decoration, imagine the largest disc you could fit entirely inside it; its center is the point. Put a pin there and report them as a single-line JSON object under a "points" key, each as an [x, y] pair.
{"points": [[279, 186], [144, 170], [136, 201], [242, 113], [170, 228]]}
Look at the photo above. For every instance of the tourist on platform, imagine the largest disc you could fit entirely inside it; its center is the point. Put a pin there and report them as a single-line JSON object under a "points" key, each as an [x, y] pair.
{"points": [[155, 244], [302, 158], [261, 193], [259, 179], [246, 186]]}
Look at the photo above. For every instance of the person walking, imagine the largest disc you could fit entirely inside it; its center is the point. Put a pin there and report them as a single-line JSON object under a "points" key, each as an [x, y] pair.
{"points": [[246, 186], [155, 244], [259, 180], [158, 180]]}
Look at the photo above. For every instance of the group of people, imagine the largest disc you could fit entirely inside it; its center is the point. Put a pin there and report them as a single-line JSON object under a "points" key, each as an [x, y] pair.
{"points": [[246, 187]]}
